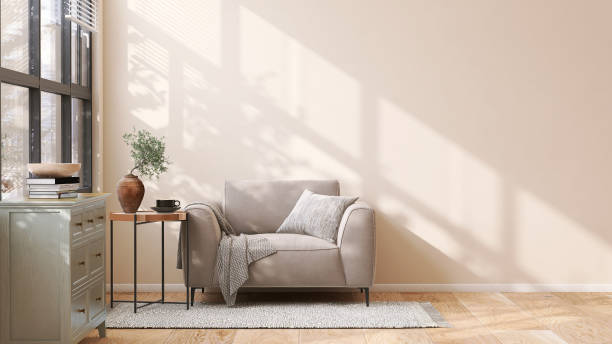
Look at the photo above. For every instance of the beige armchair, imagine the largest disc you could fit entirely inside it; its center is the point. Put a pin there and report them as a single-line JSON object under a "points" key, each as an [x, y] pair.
{"points": [[301, 261]]}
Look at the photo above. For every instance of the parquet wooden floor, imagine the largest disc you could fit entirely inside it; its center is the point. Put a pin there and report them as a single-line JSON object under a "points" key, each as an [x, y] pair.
{"points": [[502, 318]]}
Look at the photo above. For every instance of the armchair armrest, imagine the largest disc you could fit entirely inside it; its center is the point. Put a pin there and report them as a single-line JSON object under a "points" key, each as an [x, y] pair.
{"points": [[204, 237], [357, 243]]}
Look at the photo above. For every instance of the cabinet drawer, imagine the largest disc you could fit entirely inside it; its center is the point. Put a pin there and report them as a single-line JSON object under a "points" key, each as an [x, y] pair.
{"points": [[96, 257], [88, 221], [78, 312], [100, 218], [76, 226], [96, 299], [78, 266]]}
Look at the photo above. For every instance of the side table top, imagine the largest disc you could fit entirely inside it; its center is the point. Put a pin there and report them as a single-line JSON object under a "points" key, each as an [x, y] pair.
{"points": [[148, 216]]}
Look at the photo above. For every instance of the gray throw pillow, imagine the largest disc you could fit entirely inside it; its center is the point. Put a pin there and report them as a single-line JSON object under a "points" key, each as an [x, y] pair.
{"points": [[316, 215]]}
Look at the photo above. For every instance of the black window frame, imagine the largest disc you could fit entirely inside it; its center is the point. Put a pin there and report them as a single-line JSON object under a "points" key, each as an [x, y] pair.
{"points": [[67, 89]]}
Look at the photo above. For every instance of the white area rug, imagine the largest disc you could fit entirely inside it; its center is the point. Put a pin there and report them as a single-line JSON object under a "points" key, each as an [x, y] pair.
{"points": [[278, 315]]}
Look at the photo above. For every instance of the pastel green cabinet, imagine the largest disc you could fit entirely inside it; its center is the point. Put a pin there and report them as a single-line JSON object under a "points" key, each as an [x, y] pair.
{"points": [[52, 266]]}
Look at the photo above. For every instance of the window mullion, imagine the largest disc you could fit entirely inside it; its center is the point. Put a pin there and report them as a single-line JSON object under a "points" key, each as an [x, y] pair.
{"points": [[66, 126], [78, 56], [66, 42], [34, 130], [34, 37], [86, 164], [34, 69]]}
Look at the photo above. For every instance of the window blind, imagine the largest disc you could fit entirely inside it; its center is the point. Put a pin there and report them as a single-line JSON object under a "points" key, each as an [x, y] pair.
{"points": [[82, 12]]}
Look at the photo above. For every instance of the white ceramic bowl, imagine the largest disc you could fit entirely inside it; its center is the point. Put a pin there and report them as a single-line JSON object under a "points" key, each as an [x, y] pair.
{"points": [[53, 170]]}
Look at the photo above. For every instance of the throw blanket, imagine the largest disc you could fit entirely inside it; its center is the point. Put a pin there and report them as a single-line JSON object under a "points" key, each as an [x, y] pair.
{"points": [[234, 255]]}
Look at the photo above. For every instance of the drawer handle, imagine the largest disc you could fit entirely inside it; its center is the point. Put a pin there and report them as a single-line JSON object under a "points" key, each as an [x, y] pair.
{"points": [[90, 220], [98, 298], [78, 224], [100, 217], [81, 310], [82, 262], [98, 254]]}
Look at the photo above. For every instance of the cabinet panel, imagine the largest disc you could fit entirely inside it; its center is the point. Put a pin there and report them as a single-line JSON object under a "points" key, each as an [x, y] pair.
{"points": [[96, 257], [100, 218], [36, 262], [78, 266], [96, 299], [76, 226], [78, 311], [88, 221]]}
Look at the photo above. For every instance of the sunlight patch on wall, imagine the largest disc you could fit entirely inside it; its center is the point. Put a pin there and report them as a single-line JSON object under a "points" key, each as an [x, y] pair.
{"points": [[195, 94], [183, 24], [299, 83], [148, 83], [310, 161], [438, 175], [448, 197]]}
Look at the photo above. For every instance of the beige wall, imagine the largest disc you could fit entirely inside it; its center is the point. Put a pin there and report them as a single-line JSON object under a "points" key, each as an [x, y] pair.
{"points": [[479, 130]]}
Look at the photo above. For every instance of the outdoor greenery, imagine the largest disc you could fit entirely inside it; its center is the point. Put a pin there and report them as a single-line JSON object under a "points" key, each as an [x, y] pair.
{"points": [[148, 153]]}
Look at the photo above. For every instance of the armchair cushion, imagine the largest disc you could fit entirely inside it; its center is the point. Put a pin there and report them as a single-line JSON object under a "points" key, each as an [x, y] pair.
{"points": [[316, 215], [297, 242]]}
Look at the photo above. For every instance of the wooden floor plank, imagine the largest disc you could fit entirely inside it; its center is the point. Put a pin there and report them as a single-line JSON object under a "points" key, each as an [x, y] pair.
{"points": [[397, 336], [212, 336], [593, 304], [135, 336], [528, 337], [271, 336], [497, 312], [332, 336], [465, 327], [567, 321]]}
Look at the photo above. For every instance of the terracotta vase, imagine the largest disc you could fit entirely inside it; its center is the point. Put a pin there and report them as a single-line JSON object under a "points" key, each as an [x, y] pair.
{"points": [[130, 192]]}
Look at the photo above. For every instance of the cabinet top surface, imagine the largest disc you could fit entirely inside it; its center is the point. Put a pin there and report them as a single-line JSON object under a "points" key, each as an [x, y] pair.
{"points": [[67, 202]]}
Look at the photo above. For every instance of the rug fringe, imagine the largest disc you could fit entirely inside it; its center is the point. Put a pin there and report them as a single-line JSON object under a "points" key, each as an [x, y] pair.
{"points": [[434, 314]]}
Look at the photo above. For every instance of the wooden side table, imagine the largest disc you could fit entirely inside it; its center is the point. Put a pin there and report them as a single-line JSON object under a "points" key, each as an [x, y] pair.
{"points": [[141, 218]]}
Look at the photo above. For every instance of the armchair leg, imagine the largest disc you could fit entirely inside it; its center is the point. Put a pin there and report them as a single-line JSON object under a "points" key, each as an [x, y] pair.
{"points": [[367, 296], [192, 295]]}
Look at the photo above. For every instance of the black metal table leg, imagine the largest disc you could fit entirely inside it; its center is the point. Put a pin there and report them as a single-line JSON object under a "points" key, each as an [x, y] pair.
{"points": [[162, 262], [187, 262], [135, 301], [111, 263], [135, 264]]}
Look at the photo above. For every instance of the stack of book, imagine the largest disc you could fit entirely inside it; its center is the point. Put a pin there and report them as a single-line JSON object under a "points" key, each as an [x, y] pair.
{"points": [[66, 187]]}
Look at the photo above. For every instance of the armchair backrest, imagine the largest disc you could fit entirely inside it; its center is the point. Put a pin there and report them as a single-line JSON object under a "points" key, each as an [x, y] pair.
{"points": [[260, 206]]}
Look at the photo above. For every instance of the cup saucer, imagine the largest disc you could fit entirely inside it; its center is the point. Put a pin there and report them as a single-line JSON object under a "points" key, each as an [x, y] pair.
{"points": [[165, 209]]}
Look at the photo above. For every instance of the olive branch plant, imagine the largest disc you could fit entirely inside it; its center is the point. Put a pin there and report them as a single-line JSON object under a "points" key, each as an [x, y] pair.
{"points": [[147, 152]]}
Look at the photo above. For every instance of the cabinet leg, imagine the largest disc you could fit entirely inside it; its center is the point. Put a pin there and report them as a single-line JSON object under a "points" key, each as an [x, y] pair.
{"points": [[102, 330]]}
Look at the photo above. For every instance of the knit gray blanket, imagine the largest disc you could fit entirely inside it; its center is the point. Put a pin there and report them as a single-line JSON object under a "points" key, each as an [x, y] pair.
{"points": [[234, 255]]}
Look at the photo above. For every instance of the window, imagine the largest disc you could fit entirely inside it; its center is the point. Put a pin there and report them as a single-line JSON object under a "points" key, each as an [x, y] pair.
{"points": [[51, 40], [50, 127], [45, 94], [14, 124], [15, 34]]}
